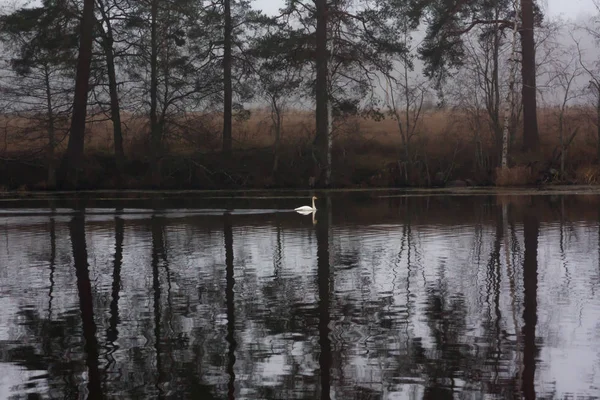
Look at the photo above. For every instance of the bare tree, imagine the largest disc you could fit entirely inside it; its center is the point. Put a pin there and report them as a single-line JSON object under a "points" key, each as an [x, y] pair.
{"points": [[510, 103], [175, 73], [592, 70], [485, 68], [480, 87], [405, 96], [227, 88], [37, 83], [156, 131], [404, 100], [565, 73], [110, 12], [279, 81], [596, 20], [594, 87], [278, 88]]}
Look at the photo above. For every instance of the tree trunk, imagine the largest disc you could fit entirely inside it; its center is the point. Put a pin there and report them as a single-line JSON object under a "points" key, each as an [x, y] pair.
{"points": [[561, 139], [155, 131], [51, 180], [227, 89], [74, 156], [407, 100], [495, 109], [322, 93], [598, 120], [329, 143], [276, 119], [115, 109], [531, 139], [510, 96]]}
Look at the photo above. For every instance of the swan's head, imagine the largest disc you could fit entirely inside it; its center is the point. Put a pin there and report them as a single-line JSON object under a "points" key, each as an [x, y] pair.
{"points": [[314, 197]]}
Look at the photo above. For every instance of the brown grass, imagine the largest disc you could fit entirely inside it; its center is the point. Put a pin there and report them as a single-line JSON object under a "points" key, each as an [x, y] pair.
{"points": [[366, 152], [515, 176], [588, 175]]}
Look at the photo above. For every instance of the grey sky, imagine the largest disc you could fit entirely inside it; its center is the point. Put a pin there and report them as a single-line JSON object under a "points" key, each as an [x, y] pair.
{"points": [[568, 8]]}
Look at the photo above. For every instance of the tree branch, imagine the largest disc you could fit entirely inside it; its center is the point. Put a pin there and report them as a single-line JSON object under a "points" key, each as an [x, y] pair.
{"points": [[502, 22]]}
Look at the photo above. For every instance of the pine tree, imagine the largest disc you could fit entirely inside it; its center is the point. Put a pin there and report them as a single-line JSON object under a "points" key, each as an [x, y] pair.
{"points": [[347, 44], [40, 46], [173, 64], [73, 159], [443, 47]]}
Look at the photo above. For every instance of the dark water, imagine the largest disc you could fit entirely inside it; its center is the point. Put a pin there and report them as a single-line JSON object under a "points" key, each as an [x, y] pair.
{"points": [[429, 297]]}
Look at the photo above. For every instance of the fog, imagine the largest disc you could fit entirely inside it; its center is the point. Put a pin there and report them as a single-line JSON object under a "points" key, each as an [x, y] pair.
{"points": [[557, 52]]}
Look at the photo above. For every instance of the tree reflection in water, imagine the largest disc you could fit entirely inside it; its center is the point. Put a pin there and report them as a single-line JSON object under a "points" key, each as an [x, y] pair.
{"points": [[323, 283], [412, 301], [230, 301], [530, 281], [86, 304]]}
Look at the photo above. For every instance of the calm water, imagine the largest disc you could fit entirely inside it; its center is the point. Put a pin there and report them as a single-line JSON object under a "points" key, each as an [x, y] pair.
{"points": [[429, 297]]}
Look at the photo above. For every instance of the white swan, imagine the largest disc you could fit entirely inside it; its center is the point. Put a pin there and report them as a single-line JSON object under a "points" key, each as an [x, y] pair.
{"points": [[307, 209]]}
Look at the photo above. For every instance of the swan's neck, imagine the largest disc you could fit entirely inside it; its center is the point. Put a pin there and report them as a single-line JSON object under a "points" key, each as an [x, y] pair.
{"points": [[313, 203]]}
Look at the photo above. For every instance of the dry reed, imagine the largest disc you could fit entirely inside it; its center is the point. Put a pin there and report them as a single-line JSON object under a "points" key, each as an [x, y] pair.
{"points": [[366, 151], [514, 176]]}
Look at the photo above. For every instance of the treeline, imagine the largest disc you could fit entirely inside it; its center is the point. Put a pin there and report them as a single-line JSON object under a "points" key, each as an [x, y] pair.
{"points": [[160, 71]]}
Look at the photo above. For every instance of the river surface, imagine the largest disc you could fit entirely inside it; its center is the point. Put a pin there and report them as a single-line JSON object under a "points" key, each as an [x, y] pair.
{"points": [[377, 296]]}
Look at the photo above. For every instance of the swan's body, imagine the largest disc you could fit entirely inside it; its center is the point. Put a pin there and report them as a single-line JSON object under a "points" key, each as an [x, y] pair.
{"points": [[307, 209]]}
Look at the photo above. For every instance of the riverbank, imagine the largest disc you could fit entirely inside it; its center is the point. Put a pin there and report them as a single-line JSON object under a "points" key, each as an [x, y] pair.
{"points": [[266, 194], [254, 170]]}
